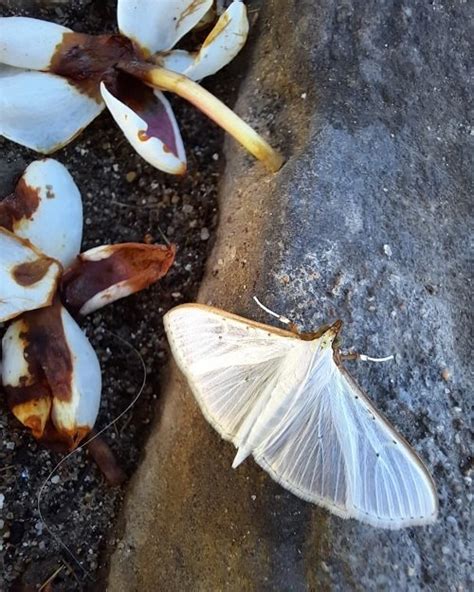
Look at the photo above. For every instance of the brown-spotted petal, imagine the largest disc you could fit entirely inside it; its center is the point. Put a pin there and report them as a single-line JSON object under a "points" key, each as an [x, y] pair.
{"points": [[28, 278], [27, 42], [51, 376], [28, 394], [220, 47], [105, 274], [46, 209], [42, 111], [157, 25], [147, 120]]}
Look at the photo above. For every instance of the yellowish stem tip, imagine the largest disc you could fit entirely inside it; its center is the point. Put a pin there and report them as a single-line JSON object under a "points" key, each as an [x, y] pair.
{"points": [[216, 110]]}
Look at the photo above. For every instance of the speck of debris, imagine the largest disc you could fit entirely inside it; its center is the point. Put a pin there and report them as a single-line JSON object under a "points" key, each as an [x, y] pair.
{"points": [[80, 507], [446, 374], [387, 249]]}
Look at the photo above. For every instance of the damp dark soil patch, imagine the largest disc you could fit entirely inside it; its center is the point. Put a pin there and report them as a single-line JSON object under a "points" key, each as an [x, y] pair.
{"points": [[124, 200]]}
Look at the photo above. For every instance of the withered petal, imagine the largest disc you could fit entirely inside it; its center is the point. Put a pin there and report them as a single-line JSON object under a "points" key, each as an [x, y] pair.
{"points": [[51, 375], [105, 274], [157, 25], [46, 209], [42, 111], [219, 48], [27, 42], [28, 278], [147, 120]]}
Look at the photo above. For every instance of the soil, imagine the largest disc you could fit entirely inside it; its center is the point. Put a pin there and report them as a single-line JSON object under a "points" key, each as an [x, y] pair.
{"points": [[125, 199]]}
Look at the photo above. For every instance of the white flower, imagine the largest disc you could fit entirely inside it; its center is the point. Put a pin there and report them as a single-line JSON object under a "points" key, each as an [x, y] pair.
{"points": [[50, 372], [54, 82]]}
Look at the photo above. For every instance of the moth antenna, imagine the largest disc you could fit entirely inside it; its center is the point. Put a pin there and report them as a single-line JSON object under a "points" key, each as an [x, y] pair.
{"points": [[281, 318], [366, 358], [49, 530]]}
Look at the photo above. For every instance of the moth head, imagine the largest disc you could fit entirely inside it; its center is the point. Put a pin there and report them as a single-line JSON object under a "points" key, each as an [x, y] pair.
{"points": [[329, 339], [325, 337]]}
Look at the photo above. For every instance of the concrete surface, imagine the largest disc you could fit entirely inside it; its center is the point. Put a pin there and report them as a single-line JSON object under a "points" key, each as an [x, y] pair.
{"points": [[368, 222]]}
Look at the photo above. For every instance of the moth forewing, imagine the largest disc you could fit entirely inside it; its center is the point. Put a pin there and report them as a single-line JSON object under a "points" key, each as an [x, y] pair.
{"points": [[289, 402], [422, 484], [229, 363]]}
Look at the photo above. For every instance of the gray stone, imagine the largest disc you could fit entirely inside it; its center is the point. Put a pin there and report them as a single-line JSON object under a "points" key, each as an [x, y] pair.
{"points": [[367, 222]]}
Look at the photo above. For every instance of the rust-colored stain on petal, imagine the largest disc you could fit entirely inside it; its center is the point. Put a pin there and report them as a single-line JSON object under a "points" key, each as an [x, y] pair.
{"points": [[50, 373], [142, 100], [19, 205], [86, 60], [28, 274], [47, 353], [193, 6], [221, 25], [134, 264], [63, 440], [34, 413]]}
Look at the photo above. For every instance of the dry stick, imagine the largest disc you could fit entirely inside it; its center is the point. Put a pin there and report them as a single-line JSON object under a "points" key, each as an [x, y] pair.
{"points": [[68, 456], [7, 468], [164, 79], [51, 578]]}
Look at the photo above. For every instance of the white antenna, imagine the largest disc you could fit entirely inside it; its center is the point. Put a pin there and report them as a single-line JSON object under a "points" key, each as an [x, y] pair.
{"points": [[281, 318], [365, 358]]}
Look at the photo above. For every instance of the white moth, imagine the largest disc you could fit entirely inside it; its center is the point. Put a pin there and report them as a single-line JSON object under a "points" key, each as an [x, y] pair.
{"points": [[286, 399]]}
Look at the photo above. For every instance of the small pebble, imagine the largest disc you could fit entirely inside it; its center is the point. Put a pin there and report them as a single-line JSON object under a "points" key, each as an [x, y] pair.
{"points": [[131, 176], [446, 374], [2, 500], [55, 479], [205, 234], [387, 249]]}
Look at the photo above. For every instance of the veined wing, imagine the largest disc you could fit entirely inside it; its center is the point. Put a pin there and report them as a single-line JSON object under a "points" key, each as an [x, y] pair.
{"points": [[233, 365], [333, 448]]}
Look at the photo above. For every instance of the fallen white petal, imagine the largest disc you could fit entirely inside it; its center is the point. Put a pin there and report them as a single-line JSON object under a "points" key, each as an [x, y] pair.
{"points": [[86, 385], [28, 278], [42, 111], [55, 224], [222, 44], [161, 154], [51, 371], [28, 43], [157, 25], [14, 365], [27, 397], [177, 60]]}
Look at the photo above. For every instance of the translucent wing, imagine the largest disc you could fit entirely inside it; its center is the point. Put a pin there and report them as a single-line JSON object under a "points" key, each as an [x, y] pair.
{"points": [[303, 418], [232, 365], [333, 448]]}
